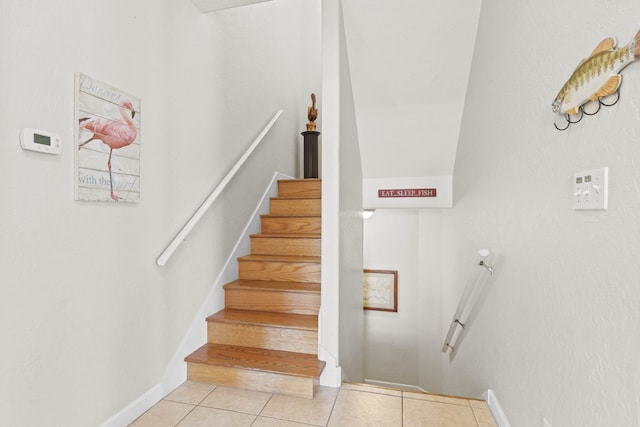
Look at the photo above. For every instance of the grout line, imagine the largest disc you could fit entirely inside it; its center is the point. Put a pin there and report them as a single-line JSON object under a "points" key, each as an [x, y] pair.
{"points": [[264, 406], [468, 405], [215, 387], [476, 413], [224, 410], [402, 409], [475, 417], [375, 392], [266, 403], [194, 406], [283, 419], [333, 406], [186, 415]]}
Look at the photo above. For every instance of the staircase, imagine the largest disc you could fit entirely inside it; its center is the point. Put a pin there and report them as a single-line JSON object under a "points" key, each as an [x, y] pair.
{"points": [[266, 337]]}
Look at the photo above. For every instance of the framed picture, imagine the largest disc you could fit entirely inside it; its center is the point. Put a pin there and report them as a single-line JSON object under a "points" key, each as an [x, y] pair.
{"points": [[107, 142], [380, 290]]}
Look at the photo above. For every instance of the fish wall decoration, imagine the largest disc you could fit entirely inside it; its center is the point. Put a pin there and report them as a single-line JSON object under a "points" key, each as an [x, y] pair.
{"points": [[595, 78]]}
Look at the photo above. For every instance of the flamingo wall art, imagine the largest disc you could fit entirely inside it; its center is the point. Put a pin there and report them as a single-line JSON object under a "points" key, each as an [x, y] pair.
{"points": [[107, 124]]}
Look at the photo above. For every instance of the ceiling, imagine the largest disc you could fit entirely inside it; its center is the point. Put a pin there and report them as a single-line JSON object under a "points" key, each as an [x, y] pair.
{"points": [[409, 63], [409, 70]]}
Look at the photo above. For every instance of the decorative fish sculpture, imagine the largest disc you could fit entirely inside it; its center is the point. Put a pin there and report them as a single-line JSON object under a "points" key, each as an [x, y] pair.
{"points": [[596, 76]]}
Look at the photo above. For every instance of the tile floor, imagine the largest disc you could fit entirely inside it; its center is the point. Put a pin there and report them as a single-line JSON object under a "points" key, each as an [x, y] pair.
{"points": [[353, 405]]}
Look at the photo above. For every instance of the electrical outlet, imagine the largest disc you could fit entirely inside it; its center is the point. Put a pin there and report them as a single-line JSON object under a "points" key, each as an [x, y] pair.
{"points": [[591, 189], [545, 423]]}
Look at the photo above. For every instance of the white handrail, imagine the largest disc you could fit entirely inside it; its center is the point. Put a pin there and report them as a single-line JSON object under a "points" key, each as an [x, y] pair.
{"points": [[186, 229], [468, 298]]}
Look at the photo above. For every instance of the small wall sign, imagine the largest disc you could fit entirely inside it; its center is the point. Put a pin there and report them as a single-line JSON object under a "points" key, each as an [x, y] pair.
{"points": [[408, 192]]}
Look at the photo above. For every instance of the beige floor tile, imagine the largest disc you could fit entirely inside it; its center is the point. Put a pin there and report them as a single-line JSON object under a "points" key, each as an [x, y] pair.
{"points": [[481, 404], [207, 417], [363, 409], [273, 422], [190, 392], [314, 411], [424, 413], [483, 417], [235, 399], [371, 389], [436, 398], [163, 414]]}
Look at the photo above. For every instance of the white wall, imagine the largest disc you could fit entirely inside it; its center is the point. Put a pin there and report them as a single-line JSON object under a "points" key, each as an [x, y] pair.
{"points": [[88, 322], [430, 241], [556, 332], [329, 317], [341, 311], [351, 229], [403, 348], [410, 66], [391, 339]]}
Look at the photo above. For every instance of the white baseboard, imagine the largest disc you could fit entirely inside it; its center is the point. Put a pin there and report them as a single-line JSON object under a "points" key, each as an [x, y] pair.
{"points": [[136, 408], [496, 409], [332, 373]]}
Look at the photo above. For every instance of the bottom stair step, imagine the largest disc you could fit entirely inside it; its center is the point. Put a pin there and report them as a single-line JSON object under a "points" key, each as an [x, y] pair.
{"points": [[274, 371]]}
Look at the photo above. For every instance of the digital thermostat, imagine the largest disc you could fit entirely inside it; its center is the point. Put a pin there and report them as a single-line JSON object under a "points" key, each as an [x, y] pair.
{"points": [[40, 141]]}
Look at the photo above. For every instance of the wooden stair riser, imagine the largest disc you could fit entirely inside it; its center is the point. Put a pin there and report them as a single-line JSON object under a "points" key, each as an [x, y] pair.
{"points": [[294, 206], [254, 380], [259, 336], [291, 224], [302, 246], [300, 188], [276, 301], [279, 271]]}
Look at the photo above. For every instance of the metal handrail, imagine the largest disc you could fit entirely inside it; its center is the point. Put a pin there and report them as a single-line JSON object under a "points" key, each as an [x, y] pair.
{"points": [[468, 298], [186, 229]]}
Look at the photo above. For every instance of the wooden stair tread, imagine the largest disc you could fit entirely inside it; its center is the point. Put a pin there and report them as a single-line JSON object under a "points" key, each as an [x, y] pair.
{"points": [[266, 318], [296, 197], [280, 258], [275, 361], [299, 181], [265, 285], [290, 216], [287, 235]]}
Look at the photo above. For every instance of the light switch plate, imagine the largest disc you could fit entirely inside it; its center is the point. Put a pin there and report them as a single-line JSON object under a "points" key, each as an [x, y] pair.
{"points": [[590, 189]]}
